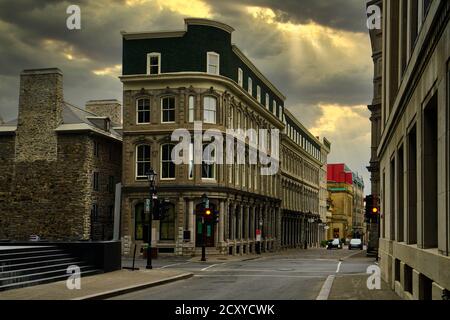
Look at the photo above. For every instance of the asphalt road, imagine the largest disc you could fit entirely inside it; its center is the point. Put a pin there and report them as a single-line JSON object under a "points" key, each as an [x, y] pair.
{"points": [[290, 275]]}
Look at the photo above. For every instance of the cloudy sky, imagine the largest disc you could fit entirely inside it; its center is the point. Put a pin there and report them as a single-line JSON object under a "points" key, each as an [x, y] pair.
{"points": [[317, 52]]}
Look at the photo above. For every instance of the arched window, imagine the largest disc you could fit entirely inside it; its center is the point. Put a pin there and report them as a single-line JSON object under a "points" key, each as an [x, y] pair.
{"points": [[167, 224], [209, 109], [143, 111], [191, 108], [167, 165], [209, 162], [142, 161]]}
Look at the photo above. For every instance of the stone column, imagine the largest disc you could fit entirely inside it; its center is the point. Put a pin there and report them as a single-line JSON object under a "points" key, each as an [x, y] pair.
{"points": [[191, 221]]}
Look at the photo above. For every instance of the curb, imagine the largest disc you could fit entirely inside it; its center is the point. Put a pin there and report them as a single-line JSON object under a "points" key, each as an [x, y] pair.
{"points": [[118, 292]]}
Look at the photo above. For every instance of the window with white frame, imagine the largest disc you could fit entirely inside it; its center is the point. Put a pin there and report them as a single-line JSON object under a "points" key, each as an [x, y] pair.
{"points": [[143, 111], [142, 161], [274, 107], [250, 86], [213, 63], [209, 109], [154, 63], [258, 93], [240, 77], [267, 101], [191, 107], [168, 109], [209, 162], [167, 165]]}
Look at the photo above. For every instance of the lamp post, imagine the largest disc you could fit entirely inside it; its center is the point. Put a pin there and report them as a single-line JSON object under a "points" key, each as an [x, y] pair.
{"points": [[151, 175]]}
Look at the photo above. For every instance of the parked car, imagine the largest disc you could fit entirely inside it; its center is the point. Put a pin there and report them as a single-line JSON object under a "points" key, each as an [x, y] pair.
{"points": [[355, 243], [335, 243]]}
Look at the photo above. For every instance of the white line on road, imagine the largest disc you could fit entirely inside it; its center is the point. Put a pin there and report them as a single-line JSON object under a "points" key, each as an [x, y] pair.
{"points": [[213, 265], [175, 264], [338, 266], [253, 275], [326, 288]]}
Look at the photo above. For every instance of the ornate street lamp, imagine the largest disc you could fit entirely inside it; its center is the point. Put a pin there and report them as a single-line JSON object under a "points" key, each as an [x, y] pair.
{"points": [[151, 175]]}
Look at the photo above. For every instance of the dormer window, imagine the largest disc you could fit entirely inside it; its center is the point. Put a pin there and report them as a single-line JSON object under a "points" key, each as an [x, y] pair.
{"points": [[153, 63], [213, 63]]}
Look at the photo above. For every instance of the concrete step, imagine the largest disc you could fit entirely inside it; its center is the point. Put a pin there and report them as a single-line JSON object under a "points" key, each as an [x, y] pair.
{"points": [[30, 276], [28, 248], [42, 257], [28, 253], [33, 264], [48, 279], [44, 268]]}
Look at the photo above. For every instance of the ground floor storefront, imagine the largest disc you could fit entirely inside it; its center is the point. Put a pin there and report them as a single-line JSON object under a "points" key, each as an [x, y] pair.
{"points": [[246, 225]]}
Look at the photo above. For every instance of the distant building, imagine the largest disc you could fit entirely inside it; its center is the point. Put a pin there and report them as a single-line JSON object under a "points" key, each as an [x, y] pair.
{"points": [[346, 193], [59, 165], [413, 151]]}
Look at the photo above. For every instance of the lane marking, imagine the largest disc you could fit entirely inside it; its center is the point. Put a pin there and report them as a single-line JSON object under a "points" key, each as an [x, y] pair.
{"points": [[213, 265], [175, 264], [326, 288], [252, 275], [277, 271], [338, 266]]}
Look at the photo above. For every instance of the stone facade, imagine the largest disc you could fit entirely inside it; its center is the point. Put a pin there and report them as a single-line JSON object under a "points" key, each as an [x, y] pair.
{"points": [[414, 149], [47, 170], [247, 201], [106, 108]]}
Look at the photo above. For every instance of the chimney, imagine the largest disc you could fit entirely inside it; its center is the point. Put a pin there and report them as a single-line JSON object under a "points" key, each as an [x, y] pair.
{"points": [[106, 108], [40, 113]]}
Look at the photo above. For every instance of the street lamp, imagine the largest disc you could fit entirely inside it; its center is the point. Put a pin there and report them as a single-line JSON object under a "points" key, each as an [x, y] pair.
{"points": [[151, 175]]}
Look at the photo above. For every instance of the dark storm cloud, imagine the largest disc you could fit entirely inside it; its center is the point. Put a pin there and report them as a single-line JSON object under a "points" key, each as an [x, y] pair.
{"points": [[337, 14]]}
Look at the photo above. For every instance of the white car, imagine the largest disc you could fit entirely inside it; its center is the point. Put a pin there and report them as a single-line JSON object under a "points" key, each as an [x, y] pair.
{"points": [[355, 243]]}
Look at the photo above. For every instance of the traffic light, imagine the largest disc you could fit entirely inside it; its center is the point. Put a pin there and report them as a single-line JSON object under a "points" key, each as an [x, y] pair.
{"points": [[372, 208]]}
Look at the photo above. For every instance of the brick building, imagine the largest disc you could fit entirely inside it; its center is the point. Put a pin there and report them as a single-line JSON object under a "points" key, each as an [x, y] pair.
{"points": [[59, 165]]}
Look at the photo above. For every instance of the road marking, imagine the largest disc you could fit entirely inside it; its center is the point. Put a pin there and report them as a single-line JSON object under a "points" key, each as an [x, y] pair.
{"points": [[326, 288], [269, 270], [213, 265], [175, 264], [252, 275], [338, 266]]}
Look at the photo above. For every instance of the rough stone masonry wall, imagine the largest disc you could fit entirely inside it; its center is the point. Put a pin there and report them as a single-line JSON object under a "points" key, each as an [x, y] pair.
{"points": [[106, 108], [107, 163], [48, 197], [40, 112]]}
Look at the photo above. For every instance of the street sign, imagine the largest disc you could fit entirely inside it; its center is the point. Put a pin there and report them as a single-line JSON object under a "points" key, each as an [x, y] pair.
{"points": [[147, 205], [258, 235]]}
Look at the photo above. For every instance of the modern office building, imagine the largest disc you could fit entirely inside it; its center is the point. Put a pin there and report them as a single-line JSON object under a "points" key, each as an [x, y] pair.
{"points": [[413, 151]]}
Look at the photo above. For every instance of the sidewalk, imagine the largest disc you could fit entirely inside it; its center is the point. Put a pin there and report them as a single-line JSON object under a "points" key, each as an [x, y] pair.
{"points": [[98, 286], [353, 287]]}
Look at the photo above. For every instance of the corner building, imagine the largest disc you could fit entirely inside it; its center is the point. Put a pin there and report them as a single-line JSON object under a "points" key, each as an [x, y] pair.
{"points": [[171, 80]]}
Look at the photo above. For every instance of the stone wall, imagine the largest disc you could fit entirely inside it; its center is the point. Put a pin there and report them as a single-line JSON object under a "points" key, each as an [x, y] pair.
{"points": [[106, 108], [40, 112]]}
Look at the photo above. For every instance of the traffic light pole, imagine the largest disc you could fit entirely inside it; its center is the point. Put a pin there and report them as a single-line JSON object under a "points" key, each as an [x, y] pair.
{"points": [[149, 248], [203, 240]]}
